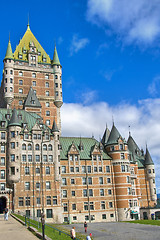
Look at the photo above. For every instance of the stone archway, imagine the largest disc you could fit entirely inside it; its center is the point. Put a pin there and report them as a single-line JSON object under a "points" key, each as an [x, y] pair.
{"points": [[3, 202]]}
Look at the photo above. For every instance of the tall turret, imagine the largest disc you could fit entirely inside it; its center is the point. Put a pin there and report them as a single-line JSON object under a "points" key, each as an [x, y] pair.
{"points": [[57, 70], [8, 76], [116, 147], [13, 157], [150, 173]]}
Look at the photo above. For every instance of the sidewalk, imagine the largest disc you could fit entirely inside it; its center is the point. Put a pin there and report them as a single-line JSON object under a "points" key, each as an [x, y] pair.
{"points": [[12, 229]]}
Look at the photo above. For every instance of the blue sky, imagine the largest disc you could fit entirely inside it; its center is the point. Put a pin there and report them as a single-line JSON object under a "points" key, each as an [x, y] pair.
{"points": [[109, 51]]}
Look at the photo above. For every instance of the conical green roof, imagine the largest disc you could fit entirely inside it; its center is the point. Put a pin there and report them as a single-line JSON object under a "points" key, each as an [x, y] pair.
{"points": [[9, 53], [54, 127], [132, 146], [114, 136], [14, 121], [105, 136], [148, 159], [55, 58]]}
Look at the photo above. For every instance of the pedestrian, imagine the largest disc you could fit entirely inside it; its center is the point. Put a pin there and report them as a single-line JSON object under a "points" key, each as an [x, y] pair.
{"points": [[6, 214], [89, 237], [85, 226], [73, 233]]}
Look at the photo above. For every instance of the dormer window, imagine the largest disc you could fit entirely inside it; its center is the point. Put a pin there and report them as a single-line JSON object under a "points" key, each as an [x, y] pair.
{"points": [[44, 59], [112, 148], [121, 146], [39, 53], [20, 56], [32, 102], [20, 117], [32, 49], [2, 124], [33, 58], [24, 51], [94, 157]]}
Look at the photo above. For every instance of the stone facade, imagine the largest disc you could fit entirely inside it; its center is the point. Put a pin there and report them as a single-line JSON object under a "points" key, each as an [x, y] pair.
{"points": [[67, 178]]}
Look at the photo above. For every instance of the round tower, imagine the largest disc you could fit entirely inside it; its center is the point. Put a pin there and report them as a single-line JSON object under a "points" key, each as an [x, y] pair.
{"points": [[8, 76], [13, 157], [150, 173], [117, 148], [57, 70]]}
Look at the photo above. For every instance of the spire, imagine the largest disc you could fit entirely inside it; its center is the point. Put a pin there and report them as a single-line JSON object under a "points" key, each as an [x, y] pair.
{"points": [[55, 57], [132, 146], [105, 136], [28, 26], [9, 53], [14, 121], [54, 127], [114, 136], [148, 159]]}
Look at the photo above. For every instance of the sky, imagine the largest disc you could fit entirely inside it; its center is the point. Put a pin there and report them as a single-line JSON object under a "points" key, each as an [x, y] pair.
{"points": [[110, 54]]}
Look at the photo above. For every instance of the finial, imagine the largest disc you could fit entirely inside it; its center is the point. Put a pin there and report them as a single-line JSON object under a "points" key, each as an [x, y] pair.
{"points": [[28, 26], [112, 120], [129, 127], [9, 36]]}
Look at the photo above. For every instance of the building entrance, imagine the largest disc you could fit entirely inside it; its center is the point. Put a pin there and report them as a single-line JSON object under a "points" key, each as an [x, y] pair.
{"points": [[2, 204]]}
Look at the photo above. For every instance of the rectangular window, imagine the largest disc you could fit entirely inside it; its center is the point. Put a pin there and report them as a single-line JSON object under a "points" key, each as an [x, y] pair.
{"points": [[65, 207], [3, 135], [2, 174], [71, 169], [24, 158], [72, 181], [100, 169], [37, 170], [100, 180], [84, 192], [37, 185], [104, 216], [48, 200], [20, 201], [29, 158], [50, 158], [44, 158], [110, 204], [20, 82], [90, 181], [63, 169], [109, 191], [64, 193], [2, 186], [108, 180], [37, 158], [101, 192], [91, 206], [74, 206], [90, 192], [12, 157], [77, 169], [85, 206], [47, 170], [48, 185], [49, 213], [64, 181], [54, 200], [122, 156], [2, 161], [12, 170], [26, 170], [84, 180], [73, 193], [89, 169], [83, 169], [12, 145], [2, 149], [34, 83], [38, 200], [38, 213], [95, 169], [27, 185]]}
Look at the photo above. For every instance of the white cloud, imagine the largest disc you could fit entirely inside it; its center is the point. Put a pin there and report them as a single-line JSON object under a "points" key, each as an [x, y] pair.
{"points": [[78, 119], [136, 20], [154, 87], [77, 44]]}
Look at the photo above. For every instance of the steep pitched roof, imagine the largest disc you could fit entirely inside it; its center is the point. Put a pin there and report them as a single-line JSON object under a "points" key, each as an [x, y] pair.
{"points": [[32, 100], [148, 159], [54, 127], [114, 136], [88, 143], [105, 136], [14, 121], [25, 42], [132, 146], [55, 58], [9, 53]]}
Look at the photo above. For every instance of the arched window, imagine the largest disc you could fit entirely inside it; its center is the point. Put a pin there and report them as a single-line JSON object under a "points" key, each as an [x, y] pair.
{"points": [[45, 147], [23, 146], [29, 147], [37, 146], [50, 147]]}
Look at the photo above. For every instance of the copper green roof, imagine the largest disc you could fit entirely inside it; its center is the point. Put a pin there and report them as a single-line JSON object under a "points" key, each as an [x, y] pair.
{"points": [[27, 117], [105, 136], [25, 42], [148, 159], [114, 136], [14, 121], [32, 100], [9, 53], [54, 127], [88, 144], [55, 58]]}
